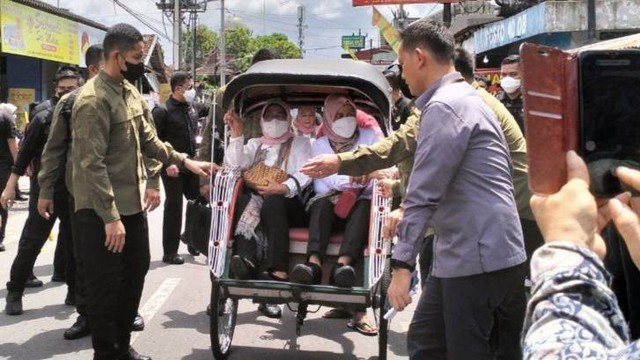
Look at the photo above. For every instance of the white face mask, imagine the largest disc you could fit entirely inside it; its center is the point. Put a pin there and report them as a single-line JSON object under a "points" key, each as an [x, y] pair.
{"points": [[275, 128], [345, 127], [510, 84], [190, 95]]}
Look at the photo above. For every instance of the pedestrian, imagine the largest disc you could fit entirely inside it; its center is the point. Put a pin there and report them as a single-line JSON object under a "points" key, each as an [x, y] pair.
{"points": [[461, 186], [36, 229], [177, 123], [8, 154], [401, 103], [56, 164], [111, 129], [511, 95]]}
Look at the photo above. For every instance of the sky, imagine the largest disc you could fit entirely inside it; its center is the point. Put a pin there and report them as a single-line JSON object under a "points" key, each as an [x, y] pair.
{"points": [[326, 20]]}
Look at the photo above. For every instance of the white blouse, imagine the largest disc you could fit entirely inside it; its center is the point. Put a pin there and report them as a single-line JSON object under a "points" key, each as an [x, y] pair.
{"points": [[337, 182], [238, 154]]}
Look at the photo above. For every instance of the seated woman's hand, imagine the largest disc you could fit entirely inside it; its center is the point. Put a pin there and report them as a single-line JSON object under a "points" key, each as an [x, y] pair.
{"points": [[272, 188], [385, 187], [232, 119]]}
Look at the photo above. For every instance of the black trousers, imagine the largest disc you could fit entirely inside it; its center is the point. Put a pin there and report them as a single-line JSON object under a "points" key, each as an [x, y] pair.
{"points": [[471, 317], [185, 184], [74, 250], [626, 278], [323, 222], [4, 214], [34, 235], [114, 281], [277, 215]]}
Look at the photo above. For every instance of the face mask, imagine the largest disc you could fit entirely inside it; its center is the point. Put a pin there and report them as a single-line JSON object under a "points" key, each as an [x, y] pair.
{"points": [[509, 84], [133, 72], [344, 127], [190, 95], [275, 128]]}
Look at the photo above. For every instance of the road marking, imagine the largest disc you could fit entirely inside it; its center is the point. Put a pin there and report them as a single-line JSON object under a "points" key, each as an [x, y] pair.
{"points": [[151, 307]]}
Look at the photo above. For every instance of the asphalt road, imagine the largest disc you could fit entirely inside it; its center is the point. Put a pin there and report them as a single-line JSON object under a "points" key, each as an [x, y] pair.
{"points": [[173, 305]]}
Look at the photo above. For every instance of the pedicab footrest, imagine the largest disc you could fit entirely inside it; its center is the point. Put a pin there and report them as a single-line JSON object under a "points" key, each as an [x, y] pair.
{"points": [[280, 293]]}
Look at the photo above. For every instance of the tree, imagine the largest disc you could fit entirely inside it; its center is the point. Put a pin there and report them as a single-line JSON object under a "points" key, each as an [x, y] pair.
{"points": [[206, 41]]}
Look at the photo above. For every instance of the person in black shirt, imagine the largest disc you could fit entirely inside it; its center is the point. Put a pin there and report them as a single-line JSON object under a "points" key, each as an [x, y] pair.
{"points": [[8, 153], [400, 95], [36, 229], [511, 97], [177, 123]]}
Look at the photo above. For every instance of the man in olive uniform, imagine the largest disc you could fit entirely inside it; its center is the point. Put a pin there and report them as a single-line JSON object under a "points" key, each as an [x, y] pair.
{"points": [[111, 131]]}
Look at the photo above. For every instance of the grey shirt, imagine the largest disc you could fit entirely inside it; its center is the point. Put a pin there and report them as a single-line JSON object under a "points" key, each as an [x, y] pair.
{"points": [[461, 186]]}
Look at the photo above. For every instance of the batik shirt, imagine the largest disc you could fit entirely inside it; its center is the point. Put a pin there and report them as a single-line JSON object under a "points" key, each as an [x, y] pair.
{"points": [[573, 314]]}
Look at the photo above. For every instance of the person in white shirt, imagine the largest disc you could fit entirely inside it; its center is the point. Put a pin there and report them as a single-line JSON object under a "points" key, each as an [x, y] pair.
{"points": [[267, 211], [339, 205]]}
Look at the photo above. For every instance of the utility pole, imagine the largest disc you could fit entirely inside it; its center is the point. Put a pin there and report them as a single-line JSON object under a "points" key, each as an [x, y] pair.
{"points": [[223, 48], [177, 22], [446, 14], [194, 34], [591, 19], [301, 28]]}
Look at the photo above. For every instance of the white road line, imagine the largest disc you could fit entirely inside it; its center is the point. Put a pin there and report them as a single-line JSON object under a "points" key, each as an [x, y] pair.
{"points": [[151, 307]]}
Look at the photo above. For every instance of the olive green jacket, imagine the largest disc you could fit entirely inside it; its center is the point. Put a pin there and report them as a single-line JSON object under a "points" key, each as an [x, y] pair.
{"points": [[400, 147], [111, 129], [57, 154]]}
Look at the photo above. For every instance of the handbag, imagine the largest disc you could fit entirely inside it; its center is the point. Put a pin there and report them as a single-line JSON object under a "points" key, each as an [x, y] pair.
{"points": [[198, 224], [346, 200], [259, 173]]}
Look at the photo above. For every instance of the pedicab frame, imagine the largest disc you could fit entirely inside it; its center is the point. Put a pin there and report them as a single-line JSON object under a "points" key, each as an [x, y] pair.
{"points": [[297, 82]]}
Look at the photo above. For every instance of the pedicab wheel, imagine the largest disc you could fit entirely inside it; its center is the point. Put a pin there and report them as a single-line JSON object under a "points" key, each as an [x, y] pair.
{"points": [[224, 313], [383, 326]]}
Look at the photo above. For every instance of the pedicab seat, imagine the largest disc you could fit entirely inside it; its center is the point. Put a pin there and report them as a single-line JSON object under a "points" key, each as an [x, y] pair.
{"points": [[299, 237]]}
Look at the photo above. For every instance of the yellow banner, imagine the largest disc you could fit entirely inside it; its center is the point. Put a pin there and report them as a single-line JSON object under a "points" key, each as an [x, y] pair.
{"points": [[34, 33], [386, 28], [22, 98]]}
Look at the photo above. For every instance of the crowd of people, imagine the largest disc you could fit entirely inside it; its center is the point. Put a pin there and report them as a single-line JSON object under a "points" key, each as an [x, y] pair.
{"points": [[504, 274]]}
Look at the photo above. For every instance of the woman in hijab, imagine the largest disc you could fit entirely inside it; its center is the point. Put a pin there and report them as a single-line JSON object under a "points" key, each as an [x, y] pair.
{"points": [[330, 212], [305, 122], [268, 211]]}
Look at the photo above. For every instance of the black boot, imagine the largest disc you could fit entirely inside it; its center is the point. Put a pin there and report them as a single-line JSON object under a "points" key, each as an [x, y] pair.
{"points": [[14, 303], [307, 274], [132, 354], [270, 310], [138, 323], [79, 329], [33, 282]]}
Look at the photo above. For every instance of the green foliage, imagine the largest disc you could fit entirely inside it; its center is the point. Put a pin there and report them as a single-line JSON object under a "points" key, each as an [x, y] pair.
{"points": [[206, 41]]}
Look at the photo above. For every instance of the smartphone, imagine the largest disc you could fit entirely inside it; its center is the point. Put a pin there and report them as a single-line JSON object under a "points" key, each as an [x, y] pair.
{"points": [[609, 115], [550, 90]]}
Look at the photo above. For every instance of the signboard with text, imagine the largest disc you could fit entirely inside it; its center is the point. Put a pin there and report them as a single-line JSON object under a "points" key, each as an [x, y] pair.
{"points": [[21, 98], [30, 32], [518, 27], [87, 36], [399, 2], [353, 42]]}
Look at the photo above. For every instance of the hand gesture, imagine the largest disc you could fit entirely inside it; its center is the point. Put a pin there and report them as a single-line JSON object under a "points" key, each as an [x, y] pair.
{"points": [[151, 199], [321, 166], [272, 188], [233, 120], [45, 208], [115, 236], [173, 171]]}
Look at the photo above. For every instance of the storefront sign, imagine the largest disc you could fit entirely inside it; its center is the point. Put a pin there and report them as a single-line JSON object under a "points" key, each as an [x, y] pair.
{"points": [[87, 36], [34, 33], [21, 98], [518, 27], [353, 42], [397, 2]]}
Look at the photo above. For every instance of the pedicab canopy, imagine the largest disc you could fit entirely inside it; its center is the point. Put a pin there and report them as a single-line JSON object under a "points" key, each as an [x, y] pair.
{"points": [[308, 82]]}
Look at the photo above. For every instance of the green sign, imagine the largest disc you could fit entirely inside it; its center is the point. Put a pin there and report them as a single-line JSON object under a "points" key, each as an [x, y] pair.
{"points": [[353, 42]]}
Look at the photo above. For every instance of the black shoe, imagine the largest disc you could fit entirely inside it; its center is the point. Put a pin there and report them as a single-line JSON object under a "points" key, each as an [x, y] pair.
{"points": [[14, 303], [70, 299], [33, 282], [132, 354], [209, 309], [174, 259], [138, 323], [193, 251], [58, 277], [344, 276], [306, 274], [78, 330], [270, 310], [2, 248], [241, 268]]}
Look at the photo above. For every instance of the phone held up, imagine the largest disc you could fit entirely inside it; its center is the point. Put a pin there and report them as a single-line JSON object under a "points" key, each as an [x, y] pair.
{"points": [[585, 101]]}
